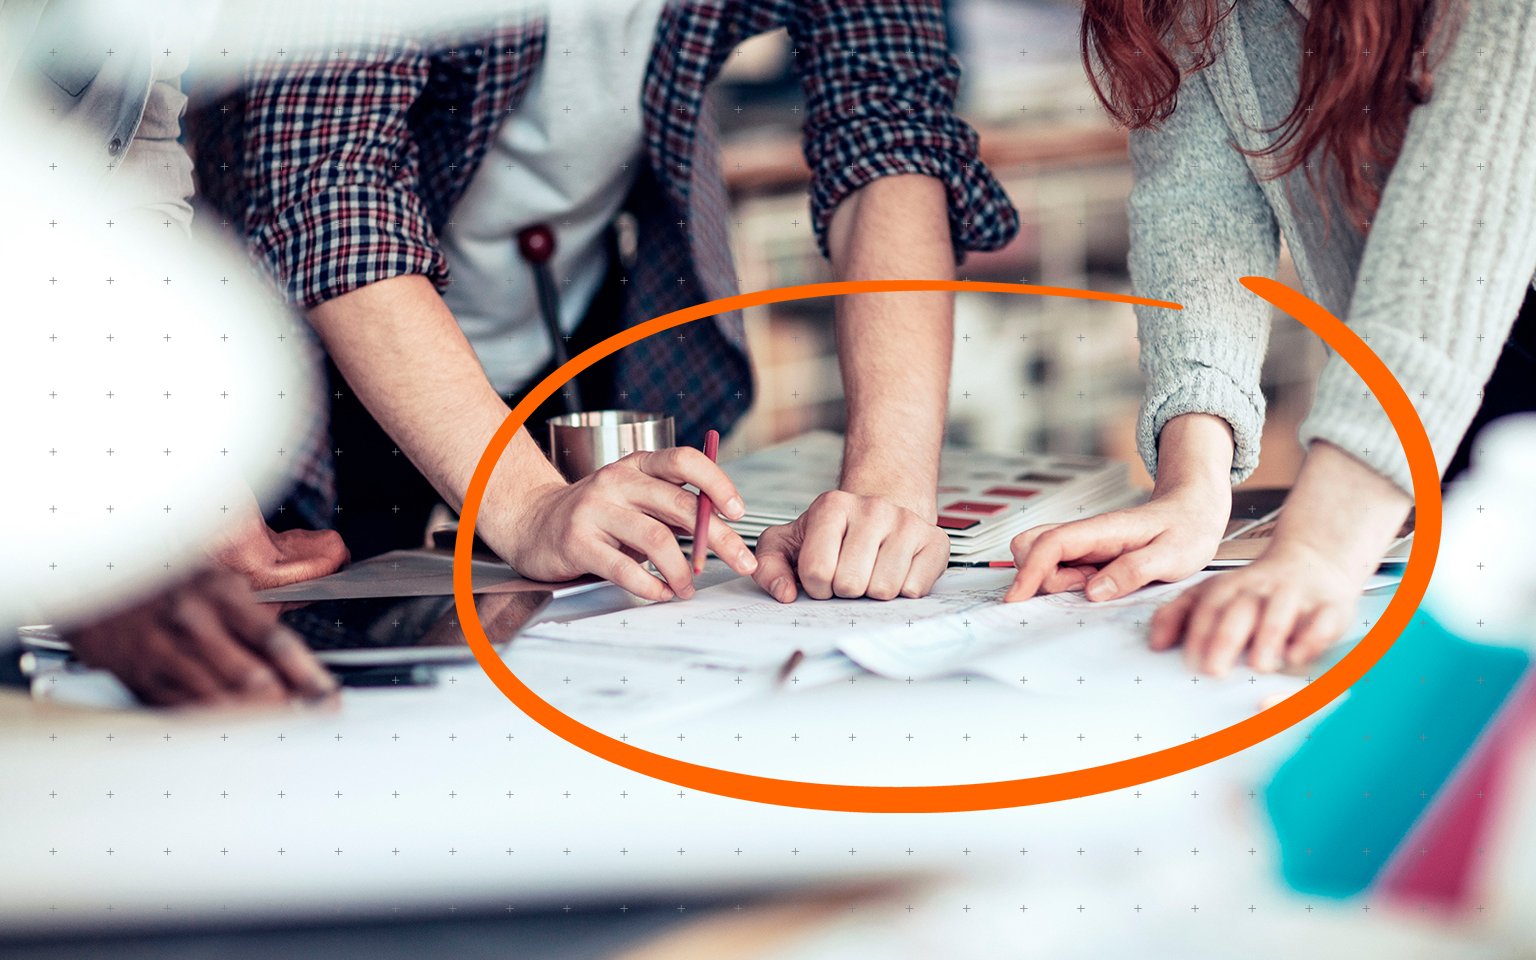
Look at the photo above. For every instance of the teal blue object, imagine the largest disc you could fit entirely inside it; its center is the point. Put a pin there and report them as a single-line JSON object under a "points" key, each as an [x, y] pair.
{"points": [[1346, 800]]}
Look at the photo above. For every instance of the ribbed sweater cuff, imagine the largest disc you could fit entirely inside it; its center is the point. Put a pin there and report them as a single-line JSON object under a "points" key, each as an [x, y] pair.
{"points": [[1203, 389], [1346, 414]]}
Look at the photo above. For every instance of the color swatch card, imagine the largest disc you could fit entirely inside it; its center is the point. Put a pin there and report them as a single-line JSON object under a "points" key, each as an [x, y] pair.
{"points": [[984, 498]]}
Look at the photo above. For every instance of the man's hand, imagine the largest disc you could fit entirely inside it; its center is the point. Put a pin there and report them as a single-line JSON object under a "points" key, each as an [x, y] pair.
{"points": [[624, 514], [1282, 610], [270, 559], [875, 535], [848, 545], [1167, 538], [206, 641]]}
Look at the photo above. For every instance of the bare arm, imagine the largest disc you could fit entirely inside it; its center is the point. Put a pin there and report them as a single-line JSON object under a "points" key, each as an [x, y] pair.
{"points": [[403, 353], [894, 349], [875, 535]]}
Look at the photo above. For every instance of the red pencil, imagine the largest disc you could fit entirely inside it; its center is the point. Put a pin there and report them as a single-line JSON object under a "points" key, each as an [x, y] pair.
{"points": [[701, 525]]}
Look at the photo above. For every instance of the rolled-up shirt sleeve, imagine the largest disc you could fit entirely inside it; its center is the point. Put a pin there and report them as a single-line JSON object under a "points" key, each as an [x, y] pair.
{"points": [[880, 88], [329, 171]]}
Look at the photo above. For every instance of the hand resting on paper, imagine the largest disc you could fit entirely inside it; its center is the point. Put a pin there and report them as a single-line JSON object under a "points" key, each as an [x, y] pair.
{"points": [[1168, 538], [1296, 599], [206, 641], [267, 558], [847, 545]]}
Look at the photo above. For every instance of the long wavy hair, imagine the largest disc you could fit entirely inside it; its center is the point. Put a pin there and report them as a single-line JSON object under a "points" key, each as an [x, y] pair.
{"points": [[1367, 64]]}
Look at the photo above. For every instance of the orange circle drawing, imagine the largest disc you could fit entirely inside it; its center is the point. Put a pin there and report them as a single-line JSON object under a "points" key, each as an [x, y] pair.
{"points": [[1001, 793]]}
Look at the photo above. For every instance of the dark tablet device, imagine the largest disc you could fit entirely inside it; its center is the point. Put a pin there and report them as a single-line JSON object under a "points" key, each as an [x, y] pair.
{"points": [[405, 630]]}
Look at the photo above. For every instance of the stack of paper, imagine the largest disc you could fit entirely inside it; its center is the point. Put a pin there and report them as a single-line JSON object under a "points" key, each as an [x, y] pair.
{"points": [[985, 499]]}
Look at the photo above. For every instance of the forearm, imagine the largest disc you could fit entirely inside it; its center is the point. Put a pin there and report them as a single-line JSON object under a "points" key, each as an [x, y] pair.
{"points": [[1343, 509], [402, 352], [1195, 458], [1451, 251], [1199, 221], [894, 349]]}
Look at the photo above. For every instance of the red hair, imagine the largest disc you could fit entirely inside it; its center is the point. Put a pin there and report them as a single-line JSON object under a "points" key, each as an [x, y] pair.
{"points": [[1365, 68]]}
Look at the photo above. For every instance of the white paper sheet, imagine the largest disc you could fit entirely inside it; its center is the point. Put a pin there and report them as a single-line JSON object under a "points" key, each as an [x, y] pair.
{"points": [[738, 619]]}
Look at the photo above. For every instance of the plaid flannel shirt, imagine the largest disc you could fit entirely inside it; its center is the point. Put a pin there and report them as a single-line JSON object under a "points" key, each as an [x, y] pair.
{"points": [[341, 168]]}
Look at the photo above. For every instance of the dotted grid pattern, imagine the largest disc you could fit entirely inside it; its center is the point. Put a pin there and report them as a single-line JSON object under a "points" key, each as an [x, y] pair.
{"points": [[154, 389], [444, 799], [434, 799]]}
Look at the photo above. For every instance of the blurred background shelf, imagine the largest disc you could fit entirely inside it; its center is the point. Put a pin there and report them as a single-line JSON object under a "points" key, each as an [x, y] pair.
{"points": [[1031, 373]]}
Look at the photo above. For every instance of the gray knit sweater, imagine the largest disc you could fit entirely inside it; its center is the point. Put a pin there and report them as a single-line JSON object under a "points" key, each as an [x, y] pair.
{"points": [[1433, 288]]}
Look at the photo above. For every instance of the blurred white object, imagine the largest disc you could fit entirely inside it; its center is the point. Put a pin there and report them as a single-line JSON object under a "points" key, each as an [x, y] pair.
{"points": [[1485, 578], [143, 380]]}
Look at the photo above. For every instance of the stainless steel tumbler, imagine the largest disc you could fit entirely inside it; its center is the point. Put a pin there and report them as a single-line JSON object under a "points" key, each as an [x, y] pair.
{"points": [[582, 443]]}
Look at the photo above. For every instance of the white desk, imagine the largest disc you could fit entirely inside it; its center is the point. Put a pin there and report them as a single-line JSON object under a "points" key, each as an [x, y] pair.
{"points": [[410, 801]]}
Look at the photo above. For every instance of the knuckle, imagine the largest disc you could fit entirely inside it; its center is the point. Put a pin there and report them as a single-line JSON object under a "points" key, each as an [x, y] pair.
{"points": [[618, 568], [583, 515], [834, 500], [678, 458], [684, 503], [656, 538], [815, 573], [182, 609], [599, 484], [1136, 568], [848, 584]]}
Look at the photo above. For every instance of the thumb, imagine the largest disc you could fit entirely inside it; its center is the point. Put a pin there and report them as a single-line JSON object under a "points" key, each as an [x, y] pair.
{"points": [[777, 549], [303, 555], [1131, 571]]}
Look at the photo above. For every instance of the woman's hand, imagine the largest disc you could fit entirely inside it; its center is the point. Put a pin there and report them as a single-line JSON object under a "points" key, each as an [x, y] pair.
{"points": [[621, 516], [1108, 556], [1296, 599], [1282, 610], [1167, 538]]}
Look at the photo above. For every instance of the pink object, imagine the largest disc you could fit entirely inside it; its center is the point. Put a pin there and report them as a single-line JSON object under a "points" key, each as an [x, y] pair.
{"points": [[1438, 862], [701, 525]]}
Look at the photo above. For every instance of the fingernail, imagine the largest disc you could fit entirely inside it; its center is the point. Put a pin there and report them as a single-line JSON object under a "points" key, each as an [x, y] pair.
{"points": [[1101, 588], [734, 508], [1269, 663], [746, 561], [779, 590], [686, 591]]}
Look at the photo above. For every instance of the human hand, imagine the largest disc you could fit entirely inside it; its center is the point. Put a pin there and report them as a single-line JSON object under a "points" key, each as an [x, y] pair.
{"points": [[205, 641], [1284, 609], [622, 515], [268, 558], [848, 545], [1165, 539]]}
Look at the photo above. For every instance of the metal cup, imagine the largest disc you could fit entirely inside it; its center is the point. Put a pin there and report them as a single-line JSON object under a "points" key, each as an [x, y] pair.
{"points": [[582, 443]]}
